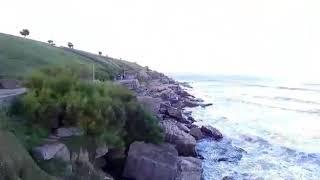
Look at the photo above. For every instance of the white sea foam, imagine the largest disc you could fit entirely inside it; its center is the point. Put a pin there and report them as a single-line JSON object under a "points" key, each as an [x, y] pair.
{"points": [[277, 124]]}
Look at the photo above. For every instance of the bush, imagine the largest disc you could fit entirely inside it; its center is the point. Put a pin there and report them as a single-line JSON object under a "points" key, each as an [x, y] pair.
{"points": [[64, 97]]}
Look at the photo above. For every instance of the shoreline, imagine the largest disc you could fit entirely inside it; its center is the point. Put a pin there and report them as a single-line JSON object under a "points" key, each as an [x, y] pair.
{"points": [[167, 99]]}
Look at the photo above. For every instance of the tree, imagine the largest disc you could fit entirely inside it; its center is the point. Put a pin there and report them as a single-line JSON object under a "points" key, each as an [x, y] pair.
{"points": [[25, 32], [70, 45], [100, 53], [50, 42]]}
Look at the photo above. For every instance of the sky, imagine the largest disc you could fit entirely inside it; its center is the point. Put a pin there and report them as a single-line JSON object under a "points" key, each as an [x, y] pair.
{"points": [[250, 37]]}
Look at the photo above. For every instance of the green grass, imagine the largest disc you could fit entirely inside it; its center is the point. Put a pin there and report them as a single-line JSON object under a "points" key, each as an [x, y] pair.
{"points": [[19, 56]]}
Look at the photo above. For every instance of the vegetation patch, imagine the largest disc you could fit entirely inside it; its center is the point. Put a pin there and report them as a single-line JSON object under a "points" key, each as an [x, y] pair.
{"points": [[108, 112]]}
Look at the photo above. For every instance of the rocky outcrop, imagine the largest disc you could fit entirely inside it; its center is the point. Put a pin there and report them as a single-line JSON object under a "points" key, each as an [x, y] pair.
{"points": [[160, 162], [52, 151], [197, 133], [212, 132], [153, 104], [184, 142], [194, 103], [148, 161], [189, 168], [132, 84]]}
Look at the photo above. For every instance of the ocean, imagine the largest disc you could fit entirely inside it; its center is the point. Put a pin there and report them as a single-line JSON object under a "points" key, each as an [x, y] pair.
{"points": [[271, 128]]}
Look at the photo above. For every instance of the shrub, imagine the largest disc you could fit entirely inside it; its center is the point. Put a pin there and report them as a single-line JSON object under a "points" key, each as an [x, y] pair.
{"points": [[110, 113]]}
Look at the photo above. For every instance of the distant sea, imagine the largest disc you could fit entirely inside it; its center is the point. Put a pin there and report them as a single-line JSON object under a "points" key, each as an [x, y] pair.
{"points": [[276, 123]]}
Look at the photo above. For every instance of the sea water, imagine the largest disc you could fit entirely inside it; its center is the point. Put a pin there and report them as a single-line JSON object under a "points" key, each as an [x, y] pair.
{"points": [[271, 128]]}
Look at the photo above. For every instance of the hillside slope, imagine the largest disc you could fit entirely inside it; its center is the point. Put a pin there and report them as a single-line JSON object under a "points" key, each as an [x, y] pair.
{"points": [[19, 56], [15, 161]]}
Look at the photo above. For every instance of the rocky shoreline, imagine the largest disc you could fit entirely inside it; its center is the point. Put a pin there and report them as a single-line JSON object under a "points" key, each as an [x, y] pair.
{"points": [[177, 158]]}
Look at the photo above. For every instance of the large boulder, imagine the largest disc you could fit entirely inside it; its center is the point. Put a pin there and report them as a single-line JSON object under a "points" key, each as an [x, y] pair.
{"points": [[160, 162], [132, 84], [196, 133], [212, 132], [184, 142], [52, 151], [175, 112], [169, 95], [190, 103], [148, 161], [189, 168], [153, 104]]}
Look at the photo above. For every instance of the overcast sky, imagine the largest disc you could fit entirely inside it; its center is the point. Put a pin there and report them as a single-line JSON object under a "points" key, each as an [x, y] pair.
{"points": [[261, 37]]}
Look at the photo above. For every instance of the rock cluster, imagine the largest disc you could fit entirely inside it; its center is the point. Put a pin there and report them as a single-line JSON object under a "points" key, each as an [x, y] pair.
{"points": [[82, 161], [167, 100], [176, 159], [160, 162]]}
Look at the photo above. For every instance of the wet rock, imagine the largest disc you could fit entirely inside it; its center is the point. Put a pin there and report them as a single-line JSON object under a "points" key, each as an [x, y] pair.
{"points": [[185, 84], [68, 132], [191, 119], [212, 132], [190, 103], [197, 133], [184, 142], [183, 93], [205, 105], [228, 178]]}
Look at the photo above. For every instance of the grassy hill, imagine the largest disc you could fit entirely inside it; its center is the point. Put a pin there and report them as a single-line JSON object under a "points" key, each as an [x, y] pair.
{"points": [[19, 56]]}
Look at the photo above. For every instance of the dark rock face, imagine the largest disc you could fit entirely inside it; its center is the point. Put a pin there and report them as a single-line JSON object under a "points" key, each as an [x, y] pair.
{"points": [[212, 132], [189, 168], [175, 113], [160, 162], [153, 104], [148, 161], [197, 133], [184, 142]]}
